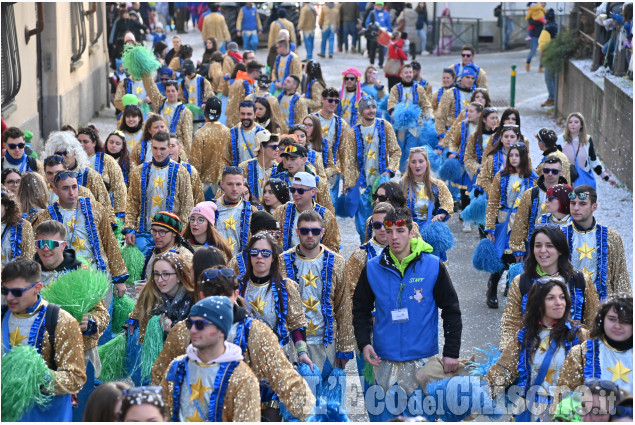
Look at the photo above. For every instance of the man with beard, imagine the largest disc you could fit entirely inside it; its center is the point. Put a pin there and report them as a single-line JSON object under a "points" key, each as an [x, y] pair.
{"points": [[242, 143], [243, 86], [349, 96], [292, 105], [455, 100]]}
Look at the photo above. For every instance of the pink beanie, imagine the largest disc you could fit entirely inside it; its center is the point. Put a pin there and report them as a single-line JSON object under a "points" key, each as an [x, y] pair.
{"points": [[357, 74], [207, 210]]}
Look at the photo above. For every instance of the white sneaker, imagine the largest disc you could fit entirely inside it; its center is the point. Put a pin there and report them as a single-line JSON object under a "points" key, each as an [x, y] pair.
{"points": [[466, 227]]}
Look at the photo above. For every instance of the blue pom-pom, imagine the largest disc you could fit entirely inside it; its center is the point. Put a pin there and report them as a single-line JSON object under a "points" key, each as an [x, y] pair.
{"points": [[438, 235], [480, 369], [312, 377], [475, 212], [371, 91], [485, 257], [334, 387], [329, 412], [459, 397], [451, 170], [406, 116], [435, 160], [428, 133], [514, 270]]}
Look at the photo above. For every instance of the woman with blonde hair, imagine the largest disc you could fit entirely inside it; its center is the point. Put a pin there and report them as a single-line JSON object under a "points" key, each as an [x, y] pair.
{"points": [[33, 195], [578, 146], [428, 199]]}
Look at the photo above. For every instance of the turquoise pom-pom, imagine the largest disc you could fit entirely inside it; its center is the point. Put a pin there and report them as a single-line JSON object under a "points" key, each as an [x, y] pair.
{"points": [[485, 257], [460, 397], [428, 133], [514, 270], [475, 212], [406, 116], [438, 235], [451, 170]]}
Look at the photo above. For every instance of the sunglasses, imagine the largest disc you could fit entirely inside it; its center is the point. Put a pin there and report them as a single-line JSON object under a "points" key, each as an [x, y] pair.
{"points": [[47, 243], [551, 198], [380, 198], [61, 153], [299, 190], [198, 324], [16, 145], [333, 100], [546, 279], [581, 196], [16, 292], [466, 55], [547, 225], [377, 225], [233, 168], [266, 253], [553, 171], [272, 147], [118, 133], [314, 231], [350, 78], [518, 146], [290, 149], [398, 223], [213, 274], [601, 384], [65, 175]]}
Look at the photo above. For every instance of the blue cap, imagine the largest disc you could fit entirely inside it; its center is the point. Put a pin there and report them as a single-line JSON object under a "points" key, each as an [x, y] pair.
{"points": [[218, 310], [469, 69], [167, 71]]}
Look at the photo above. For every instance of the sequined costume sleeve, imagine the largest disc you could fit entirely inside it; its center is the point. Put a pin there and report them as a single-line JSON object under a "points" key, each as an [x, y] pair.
{"points": [[512, 318], [342, 308], [469, 159], [100, 315], [332, 235], [207, 90], [393, 98], [295, 311], [314, 100], [96, 185], [277, 113], [571, 374], [331, 168], [268, 361], [210, 142], [435, 102], [493, 204], [452, 139], [227, 159], [296, 65], [175, 64], [119, 94], [300, 110], [520, 230], [392, 147], [40, 217], [233, 264], [114, 177], [354, 266], [70, 375], [446, 202], [347, 159], [591, 303], [215, 74], [183, 201], [505, 370], [319, 165], [236, 95], [135, 155], [445, 111], [242, 399], [27, 245], [133, 201], [618, 279], [197, 187], [481, 81], [156, 98], [109, 244], [175, 345], [323, 196], [424, 102], [228, 67], [486, 175], [185, 129]]}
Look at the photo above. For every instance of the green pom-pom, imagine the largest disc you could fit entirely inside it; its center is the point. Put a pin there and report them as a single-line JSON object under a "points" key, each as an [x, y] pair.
{"points": [[369, 373], [134, 259], [152, 346], [112, 356], [117, 231], [130, 99], [138, 61], [77, 291], [145, 108], [194, 109], [121, 309], [28, 136], [24, 375]]}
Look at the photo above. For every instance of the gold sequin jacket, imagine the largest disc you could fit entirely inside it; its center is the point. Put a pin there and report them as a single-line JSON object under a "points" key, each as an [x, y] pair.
{"points": [[494, 204], [113, 177], [314, 98], [332, 236], [209, 143], [424, 100], [235, 96]]}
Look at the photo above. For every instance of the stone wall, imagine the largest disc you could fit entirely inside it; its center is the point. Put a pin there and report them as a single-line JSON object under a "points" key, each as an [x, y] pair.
{"points": [[608, 112]]}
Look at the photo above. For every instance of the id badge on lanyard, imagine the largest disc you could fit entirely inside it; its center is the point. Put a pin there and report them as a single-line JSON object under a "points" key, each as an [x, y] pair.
{"points": [[399, 314]]}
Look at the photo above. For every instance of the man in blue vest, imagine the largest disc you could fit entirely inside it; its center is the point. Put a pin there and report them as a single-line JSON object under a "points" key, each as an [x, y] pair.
{"points": [[248, 25], [406, 285]]}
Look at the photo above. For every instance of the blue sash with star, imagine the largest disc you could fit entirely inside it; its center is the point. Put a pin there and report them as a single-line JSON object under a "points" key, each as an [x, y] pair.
{"points": [[601, 246], [169, 202]]}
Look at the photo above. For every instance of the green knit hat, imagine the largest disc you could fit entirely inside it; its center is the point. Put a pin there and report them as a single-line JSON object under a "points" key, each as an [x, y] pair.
{"points": [[168, 220]]}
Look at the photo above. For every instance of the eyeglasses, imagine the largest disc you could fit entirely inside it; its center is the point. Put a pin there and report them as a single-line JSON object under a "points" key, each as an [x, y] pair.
{"points": [[198, 324], [16, 145], [466, 55], [162, 276], [553, 171], [232, 169], [333, 100], [350, 78], [397, 223], [65, 175], [581, 196], [266, 253], [61, 153], [212, 274], [380, 198], [300, 191], [16, 292], [160, 232], [315, 231], [377, 225], [12, 182], [199, 220], [48, 243]]}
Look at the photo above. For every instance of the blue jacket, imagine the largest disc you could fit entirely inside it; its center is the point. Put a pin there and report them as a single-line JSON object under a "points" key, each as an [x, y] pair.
{"points": [[249, 22], [421, 285], [382, 18]]}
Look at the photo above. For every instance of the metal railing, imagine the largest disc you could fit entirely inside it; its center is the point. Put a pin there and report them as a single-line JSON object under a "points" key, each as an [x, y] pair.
{"points": [[11, 72], [452, 36]]}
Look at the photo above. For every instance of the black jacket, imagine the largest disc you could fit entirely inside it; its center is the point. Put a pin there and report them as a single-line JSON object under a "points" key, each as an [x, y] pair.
{"points": [[70, 261]]}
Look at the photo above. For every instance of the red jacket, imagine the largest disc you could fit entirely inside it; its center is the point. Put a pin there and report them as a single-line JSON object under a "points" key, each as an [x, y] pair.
{"points": [[395, 51]]}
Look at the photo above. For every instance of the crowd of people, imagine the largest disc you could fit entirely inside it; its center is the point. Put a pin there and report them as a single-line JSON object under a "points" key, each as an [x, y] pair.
{"points": [[212, 208]]}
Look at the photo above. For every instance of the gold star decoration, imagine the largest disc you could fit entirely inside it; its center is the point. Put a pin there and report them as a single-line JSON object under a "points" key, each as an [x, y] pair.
{"points": [[346, 101], [543, 208], [198, 391], [516, 186], [191, 88], [231, 242], [516, 202], [372, 171], [619, 371], [369, 139], [421, 193], [230, 223], [285, 104], [79, 244], [158, 182], [372, 154], [325, 130], [549, 377], [587, 272], [311, 304], [132, 143], [15, 337], [312, 328], [544, 345], [156, 200], [168, 111], [71, 224], [196, 417], [259, 305], [585, 251], [139, 89], [423, 211], [310, 278]]}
